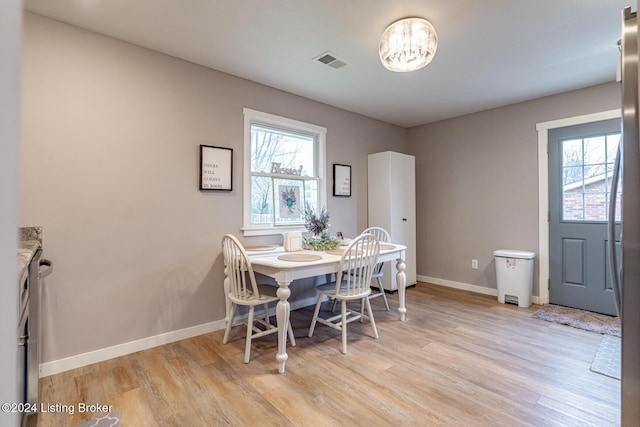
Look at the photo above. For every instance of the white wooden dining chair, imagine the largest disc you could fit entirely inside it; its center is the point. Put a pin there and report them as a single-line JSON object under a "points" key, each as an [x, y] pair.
{"points": [[383, 237], [353, 283], [241, 289]]}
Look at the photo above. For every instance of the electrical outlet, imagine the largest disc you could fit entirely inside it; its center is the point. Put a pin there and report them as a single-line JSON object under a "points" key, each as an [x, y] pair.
{"points": [[474, 264]]}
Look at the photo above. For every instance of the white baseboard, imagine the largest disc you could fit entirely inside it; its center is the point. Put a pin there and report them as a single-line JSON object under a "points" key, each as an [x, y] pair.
{"points": [[84, 359], [107, 353], [466, 287], [458, 285]]}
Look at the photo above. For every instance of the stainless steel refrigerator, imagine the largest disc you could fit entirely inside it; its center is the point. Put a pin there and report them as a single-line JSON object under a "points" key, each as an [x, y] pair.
{"points": [[626, 254]]}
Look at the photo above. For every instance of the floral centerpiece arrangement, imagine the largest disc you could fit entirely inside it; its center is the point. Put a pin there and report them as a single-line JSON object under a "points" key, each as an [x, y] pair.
{"points": [[318, 226]]}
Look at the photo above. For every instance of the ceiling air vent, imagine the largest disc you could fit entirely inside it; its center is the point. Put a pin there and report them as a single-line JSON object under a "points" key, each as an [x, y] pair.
{"points": [[331, 60]]}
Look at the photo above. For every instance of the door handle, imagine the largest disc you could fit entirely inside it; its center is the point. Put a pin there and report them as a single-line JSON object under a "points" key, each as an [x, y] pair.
{"points": [[23, 340], [611, 228]]}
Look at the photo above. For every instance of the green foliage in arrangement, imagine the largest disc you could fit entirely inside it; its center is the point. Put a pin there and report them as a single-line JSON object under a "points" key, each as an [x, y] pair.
{"points": [[321, 244], [318, 226]]}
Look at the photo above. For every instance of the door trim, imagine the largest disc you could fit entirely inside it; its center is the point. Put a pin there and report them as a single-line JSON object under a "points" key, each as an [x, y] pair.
{"points": [[543, 189]]}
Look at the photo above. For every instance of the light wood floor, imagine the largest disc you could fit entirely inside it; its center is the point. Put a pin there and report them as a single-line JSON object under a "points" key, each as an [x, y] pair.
{"points": [[461, 359]]}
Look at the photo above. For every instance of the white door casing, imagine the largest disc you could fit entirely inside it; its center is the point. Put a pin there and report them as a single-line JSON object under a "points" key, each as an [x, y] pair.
{"points": [[543, 189]]}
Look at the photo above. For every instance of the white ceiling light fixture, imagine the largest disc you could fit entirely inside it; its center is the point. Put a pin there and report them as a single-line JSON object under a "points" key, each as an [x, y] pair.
{"points": [[408, 45]]}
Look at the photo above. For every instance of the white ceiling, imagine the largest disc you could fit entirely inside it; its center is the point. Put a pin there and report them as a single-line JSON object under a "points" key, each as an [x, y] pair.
{"points": [[490, 52]]}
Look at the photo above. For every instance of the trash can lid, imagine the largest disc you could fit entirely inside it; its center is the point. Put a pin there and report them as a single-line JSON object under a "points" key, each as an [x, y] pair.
{"points": [[510, 253]]}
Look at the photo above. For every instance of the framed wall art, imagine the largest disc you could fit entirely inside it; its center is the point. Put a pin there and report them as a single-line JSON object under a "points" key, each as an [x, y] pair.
{"points": [[341, 180], [288, 201], [216, 168]]}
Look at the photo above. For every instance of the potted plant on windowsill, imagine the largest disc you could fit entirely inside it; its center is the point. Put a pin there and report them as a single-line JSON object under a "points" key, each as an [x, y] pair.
{"points": [[318, 226]]}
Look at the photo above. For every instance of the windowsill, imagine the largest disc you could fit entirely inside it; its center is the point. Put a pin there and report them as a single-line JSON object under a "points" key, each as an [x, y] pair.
{"points": [[271, 230]]}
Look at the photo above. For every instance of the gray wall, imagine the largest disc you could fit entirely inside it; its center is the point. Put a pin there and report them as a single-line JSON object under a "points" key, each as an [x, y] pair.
{"points": [[477, 181], [110, 170], [11, 25], [110, 141]]}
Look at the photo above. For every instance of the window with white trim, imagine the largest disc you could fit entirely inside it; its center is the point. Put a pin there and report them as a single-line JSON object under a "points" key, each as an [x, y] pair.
{"points": [[587, 169], [283, 171]]}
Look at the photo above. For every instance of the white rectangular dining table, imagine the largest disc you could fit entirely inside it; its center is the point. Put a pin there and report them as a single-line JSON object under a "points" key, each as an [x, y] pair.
{"points": [[285, 272]]}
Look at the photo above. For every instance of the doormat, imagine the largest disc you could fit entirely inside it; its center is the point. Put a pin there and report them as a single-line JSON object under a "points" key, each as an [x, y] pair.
{"points": [[109, 420], [581, 319], [607, 358]]}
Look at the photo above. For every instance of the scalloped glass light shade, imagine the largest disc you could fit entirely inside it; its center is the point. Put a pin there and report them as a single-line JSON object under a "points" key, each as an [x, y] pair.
{"points": [[408, 45]]}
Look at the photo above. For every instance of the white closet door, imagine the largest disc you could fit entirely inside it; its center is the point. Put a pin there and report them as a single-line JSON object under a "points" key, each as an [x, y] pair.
{"points": [[392, 206]]}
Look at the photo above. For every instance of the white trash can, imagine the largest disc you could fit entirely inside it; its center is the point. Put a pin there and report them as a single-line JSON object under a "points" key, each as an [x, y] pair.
{"points": [[514, 276]]}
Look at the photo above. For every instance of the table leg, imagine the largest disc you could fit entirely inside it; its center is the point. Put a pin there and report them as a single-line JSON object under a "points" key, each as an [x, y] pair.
{"points": [[401, 280], [227, 303], [282, 316]]}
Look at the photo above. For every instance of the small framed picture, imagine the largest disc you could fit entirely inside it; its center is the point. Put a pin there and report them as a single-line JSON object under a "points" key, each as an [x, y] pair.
{"points": [[288, 201], [341, 180], [216, 168]]}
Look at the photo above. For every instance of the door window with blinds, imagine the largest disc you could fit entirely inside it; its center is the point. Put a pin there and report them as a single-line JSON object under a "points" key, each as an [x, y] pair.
{"points": [[284, 171], [587, 170]]}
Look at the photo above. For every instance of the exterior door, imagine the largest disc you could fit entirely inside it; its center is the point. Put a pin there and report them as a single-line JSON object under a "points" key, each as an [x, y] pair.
{"points": [[581, 160]]}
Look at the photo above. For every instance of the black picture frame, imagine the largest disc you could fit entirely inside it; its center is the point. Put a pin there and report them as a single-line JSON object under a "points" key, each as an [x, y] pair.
{"points": [[216, 168], [341, 180]]}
